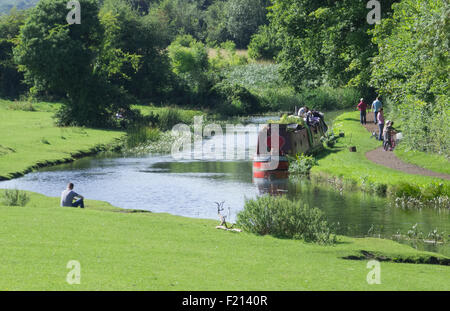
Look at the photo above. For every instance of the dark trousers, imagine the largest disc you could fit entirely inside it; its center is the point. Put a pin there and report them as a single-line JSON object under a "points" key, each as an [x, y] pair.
{"points": [[79, 203], [363, 117], [381, 126], [375, 113]]}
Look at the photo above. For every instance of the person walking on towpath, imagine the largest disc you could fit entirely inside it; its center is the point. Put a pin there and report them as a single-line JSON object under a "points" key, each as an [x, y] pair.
{"points": [[376, 106], [362, 107]]}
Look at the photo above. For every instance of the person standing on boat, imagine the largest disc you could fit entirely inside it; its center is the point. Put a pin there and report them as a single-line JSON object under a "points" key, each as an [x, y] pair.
{"points": [[362, 106], [380, 119], [376, 106]]}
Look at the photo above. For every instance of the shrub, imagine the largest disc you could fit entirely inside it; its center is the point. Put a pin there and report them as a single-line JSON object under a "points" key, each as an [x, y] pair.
{"points": [[329, 138], [24, 106], [169, 117], [263, 44], [141, 135], [237, 100], [301, 164], [403, 190], [283, 218], [15, 198]]}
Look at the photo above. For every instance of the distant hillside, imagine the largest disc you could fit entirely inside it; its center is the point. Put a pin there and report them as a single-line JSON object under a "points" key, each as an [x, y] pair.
{"points": [[7, 5]]}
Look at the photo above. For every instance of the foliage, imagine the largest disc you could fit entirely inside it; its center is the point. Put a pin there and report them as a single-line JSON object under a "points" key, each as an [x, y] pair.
{"points": [[132, 55], [263, 44], [325, 41], [354, 169], [329, 138], [280, 217], [244, 18], [71, 66], [189, 60], [412, 70], [216, 23], [235, 99], [141, 135], [10, 78], [301, 164], [15, 198], [286, 119], [226, 57]]}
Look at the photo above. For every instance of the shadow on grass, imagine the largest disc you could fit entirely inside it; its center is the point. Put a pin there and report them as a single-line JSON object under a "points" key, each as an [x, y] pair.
{"points": [[417, 259], [327, 151]]}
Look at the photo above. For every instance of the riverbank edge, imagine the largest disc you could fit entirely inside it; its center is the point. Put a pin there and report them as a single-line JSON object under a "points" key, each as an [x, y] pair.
{"points": [[411, 256], [421, 185], [115, 145]]}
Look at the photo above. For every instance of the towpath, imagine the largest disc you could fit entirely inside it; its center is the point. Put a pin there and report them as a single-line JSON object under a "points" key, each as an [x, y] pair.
{"points": [[389, 159]]}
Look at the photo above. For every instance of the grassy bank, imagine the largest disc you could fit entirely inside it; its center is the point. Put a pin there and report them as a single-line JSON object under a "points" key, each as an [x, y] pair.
{"points": [[353, 168], [146, 251], [30, 139], [433, 162]]}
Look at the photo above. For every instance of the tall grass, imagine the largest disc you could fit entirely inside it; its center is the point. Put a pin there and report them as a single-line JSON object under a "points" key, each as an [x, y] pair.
{"points": [[265, 81], [283, 218], [15, 198], [141, 135]]}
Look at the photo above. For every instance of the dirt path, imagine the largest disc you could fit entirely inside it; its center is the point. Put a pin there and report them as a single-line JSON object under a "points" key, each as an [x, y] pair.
{"points": [[389, 159]]}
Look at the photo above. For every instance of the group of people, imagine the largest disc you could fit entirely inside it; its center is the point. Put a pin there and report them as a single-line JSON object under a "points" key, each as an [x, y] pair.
{"points": [[386, 130], [312, 117]]}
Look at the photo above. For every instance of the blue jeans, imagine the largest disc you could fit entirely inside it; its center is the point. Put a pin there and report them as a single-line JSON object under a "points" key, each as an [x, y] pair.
{"points": [[363, 117], [375, 117], [381, 126], [79, 203]]}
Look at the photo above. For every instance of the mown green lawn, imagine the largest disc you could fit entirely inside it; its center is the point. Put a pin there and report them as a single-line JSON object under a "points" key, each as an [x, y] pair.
{"points": [[28, 138], [146, 251], [433, 162], [354, 166]]}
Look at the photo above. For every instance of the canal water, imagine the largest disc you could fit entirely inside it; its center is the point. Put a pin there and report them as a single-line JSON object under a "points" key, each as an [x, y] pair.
{"points": [[190, 187]]}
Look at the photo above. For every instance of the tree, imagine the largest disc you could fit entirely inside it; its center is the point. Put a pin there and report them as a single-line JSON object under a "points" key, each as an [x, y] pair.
{"points": [[263, 44], [65, 57], [189, 59], [243, 19], [412, 70], [139, 42], [325, 41], [216, 23], [10, 78]]}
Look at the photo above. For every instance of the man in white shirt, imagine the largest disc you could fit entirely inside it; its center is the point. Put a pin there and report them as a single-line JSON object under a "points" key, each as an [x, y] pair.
{"points": [[68, 195]]}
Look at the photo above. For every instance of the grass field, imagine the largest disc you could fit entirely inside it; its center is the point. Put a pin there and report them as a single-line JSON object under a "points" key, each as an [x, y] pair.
{"points": [[146, 251], [30, 138], [355, 167]]}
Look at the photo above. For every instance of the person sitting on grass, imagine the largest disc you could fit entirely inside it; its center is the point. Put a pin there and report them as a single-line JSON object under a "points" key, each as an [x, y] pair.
{"points": [[68, 195]]}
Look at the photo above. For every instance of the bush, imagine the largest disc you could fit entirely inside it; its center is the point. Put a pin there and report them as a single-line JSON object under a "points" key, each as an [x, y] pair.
{"points": [[169, 117], [263, 44], [237, 100], [327, 98], [15, 198], [301, 164], [283, 218], [141, 135], [403, 190]]}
